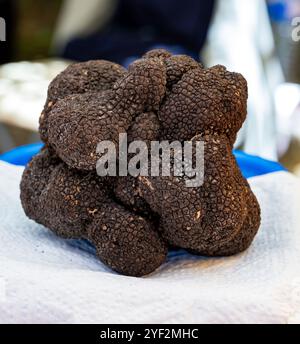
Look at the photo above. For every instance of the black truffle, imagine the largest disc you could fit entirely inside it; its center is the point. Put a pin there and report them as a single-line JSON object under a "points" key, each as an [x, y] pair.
{"points": [[132, 220]]}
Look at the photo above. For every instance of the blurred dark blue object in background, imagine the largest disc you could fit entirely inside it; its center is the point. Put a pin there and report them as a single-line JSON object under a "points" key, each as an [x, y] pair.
{"points": [[277, 10], [139, 25], [21, 155]]}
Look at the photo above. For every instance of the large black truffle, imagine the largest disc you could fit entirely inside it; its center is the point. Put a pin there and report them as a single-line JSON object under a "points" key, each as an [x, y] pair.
{"points": [[133, 220]]}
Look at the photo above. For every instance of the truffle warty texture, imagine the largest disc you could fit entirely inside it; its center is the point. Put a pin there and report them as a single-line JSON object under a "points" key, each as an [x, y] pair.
{"points": [[133, 221]]}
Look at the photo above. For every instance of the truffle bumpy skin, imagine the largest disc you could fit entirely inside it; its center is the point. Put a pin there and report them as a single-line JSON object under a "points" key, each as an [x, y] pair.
{"points": [[218, 218], [76, 123], [133, 220], [79, 205]]}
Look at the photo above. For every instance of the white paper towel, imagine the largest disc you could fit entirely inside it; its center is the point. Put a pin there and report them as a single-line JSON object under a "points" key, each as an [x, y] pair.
{"points": [[44, 279]]}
